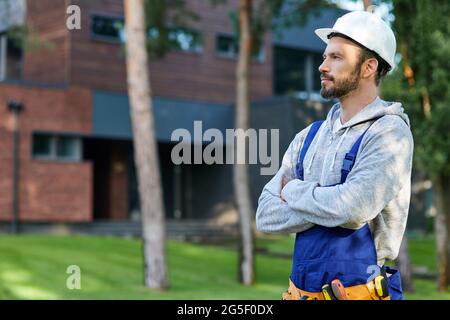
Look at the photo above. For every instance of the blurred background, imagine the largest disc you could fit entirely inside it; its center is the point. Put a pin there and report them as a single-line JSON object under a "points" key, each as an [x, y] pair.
{"points": [[69, 190]]}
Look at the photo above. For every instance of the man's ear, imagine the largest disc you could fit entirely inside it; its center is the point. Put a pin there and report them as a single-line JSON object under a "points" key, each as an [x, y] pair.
{"points": [[370, 67]]}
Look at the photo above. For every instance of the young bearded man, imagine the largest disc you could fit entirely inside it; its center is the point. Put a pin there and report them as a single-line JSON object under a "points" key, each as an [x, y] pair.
{"points": [[344, 184]]}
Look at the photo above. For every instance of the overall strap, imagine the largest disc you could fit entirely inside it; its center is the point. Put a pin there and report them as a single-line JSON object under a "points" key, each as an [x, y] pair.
{"points": [[309, 138], [350, 157]]}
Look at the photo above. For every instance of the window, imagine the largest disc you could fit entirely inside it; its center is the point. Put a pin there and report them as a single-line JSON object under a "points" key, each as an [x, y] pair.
{"points": [[112, 29], [3, 48], [67, 147], [289, 70], [56, 147], [107, 28], [181, 39], [227, 47], [296, 71], [42, 145], [10, 58], [317, 62]]}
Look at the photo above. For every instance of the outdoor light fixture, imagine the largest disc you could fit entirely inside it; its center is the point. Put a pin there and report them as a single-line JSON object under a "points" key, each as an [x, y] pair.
{"points": [[15, 107]]}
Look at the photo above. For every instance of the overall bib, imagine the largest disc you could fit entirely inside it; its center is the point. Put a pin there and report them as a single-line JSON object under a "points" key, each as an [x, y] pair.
{"points": [[323, 254]]}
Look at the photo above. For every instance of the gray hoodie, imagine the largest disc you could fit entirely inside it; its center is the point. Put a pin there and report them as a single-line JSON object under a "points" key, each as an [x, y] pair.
{"points": [[377, 190]]}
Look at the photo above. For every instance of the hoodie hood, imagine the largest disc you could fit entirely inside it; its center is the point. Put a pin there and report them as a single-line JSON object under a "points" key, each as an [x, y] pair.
{"points": [[375, 109]]}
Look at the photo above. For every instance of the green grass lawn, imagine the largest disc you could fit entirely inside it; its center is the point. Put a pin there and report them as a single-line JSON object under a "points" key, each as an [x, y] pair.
{"points": [[34, 267]]}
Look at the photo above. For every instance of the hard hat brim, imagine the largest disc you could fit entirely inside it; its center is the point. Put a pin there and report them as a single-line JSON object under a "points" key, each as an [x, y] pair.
{"points": [[323, 33]]}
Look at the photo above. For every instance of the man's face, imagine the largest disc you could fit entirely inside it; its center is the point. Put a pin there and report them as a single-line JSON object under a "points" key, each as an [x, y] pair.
{"points": [[340, 71]]}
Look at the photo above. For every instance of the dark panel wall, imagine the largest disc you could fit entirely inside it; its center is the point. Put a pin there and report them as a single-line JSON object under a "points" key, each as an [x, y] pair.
{"points": [[289, 116]]}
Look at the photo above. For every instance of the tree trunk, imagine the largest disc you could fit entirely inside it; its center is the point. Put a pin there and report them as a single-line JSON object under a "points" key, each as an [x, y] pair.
{"points": [[145, 147], [441, 186], [404, 265], [241, 177]]}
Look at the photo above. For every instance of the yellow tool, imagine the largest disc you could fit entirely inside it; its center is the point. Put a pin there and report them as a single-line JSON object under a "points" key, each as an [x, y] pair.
{"points": [[381, 286], [328, 292]]}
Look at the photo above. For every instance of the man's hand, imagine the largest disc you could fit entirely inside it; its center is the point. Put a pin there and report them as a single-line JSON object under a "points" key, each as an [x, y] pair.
{"points": [[284, 181]]}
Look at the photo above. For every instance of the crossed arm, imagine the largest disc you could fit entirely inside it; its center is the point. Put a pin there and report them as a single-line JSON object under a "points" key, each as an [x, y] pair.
{"points": [[294, 205]]}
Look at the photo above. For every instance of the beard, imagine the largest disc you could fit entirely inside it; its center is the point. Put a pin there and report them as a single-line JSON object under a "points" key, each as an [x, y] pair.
{"points": [[341, 87]]}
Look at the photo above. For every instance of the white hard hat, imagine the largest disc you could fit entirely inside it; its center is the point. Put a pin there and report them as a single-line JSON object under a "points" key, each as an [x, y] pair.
{"points": [[368, 30]]}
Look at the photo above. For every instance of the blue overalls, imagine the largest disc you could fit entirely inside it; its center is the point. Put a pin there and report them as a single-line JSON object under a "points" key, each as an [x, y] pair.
{"points": [[323, 254]]}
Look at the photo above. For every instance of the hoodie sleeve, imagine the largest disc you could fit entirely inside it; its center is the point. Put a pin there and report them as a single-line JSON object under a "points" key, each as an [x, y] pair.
{"points": [[382, 167], [273, 215]]}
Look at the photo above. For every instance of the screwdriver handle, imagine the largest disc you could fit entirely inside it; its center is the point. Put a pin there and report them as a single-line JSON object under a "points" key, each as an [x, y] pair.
{"points": [[338, 289]]}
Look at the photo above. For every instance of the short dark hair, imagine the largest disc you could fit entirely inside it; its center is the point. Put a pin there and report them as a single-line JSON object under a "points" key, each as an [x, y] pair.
{"points": [[383, 66]]}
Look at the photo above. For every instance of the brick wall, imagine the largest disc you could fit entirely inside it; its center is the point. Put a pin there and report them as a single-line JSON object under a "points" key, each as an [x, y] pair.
{"points": [[194, 76], [49, 190], [47, 59], [76, 58], [5, 163]]}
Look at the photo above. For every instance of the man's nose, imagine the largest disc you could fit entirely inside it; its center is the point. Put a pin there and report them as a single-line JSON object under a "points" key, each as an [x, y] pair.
{"points": [[324, 68]]}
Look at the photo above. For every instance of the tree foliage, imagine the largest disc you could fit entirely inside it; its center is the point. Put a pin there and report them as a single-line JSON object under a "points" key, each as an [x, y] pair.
{"points": [[422, 80], [276, 15], [163, 20]]}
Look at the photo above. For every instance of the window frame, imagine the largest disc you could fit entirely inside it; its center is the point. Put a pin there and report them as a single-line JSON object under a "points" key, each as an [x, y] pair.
{"points": [[119, 40], [101, 38], [9, 46], [3, 56], [259, 58], [54, 140], [311, 89], [223, 54]]}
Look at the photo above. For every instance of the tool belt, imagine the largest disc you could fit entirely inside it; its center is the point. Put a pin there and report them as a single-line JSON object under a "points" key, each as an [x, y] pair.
{"points": [[367, 291]]}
